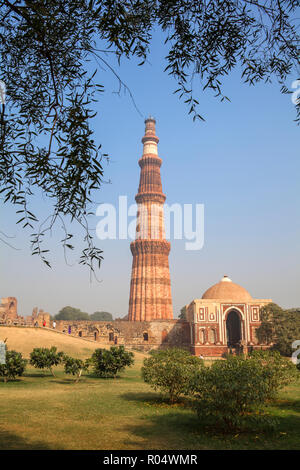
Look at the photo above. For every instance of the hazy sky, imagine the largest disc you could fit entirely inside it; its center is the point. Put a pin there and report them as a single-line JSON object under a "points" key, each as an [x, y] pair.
{"points": [[242, 163]]}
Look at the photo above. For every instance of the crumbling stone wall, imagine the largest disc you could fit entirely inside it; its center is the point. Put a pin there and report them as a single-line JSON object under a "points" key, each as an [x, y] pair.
{"points": [[140, 335], [9, 315], [8, 308]]}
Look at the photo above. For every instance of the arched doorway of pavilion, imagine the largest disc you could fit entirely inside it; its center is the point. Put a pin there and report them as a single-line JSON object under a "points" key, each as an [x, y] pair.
{"points": [[233, 329]]}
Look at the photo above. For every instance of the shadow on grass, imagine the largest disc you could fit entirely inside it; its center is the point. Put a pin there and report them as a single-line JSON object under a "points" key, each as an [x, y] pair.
{"points": [[170, 429], [288, 405], [38, 375], [69, 381], [10, 441], [145, 397], [182, 429], [10, 381], [156, 399]]}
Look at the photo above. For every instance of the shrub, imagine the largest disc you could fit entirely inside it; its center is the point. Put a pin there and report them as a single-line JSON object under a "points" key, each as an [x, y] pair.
{"points": [[170, 371], [231, 393], [14, 366], [277, 371], [44, 358], [74, 366], [108, 362]]}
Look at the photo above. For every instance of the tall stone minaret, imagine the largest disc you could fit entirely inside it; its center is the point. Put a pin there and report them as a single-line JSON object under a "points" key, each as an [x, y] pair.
{"points": [[150, 288]]}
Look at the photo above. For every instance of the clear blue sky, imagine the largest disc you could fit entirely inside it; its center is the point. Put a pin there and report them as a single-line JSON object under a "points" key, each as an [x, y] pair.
{"points": [[242, 163]]}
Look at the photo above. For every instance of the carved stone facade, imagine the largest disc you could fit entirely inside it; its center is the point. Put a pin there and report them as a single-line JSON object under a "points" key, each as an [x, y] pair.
{"points": [[226, 317], [150, 287]]}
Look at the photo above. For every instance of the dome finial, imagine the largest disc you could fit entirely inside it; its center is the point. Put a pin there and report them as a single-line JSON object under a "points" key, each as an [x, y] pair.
{"points": [[225, 278]]}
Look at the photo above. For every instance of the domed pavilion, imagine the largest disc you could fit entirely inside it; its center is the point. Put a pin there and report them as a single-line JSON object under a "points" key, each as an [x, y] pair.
{"points": [[224, 319]]}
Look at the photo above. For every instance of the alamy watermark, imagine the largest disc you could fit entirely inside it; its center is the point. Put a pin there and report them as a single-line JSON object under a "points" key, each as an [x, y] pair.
{"points": [[296, 94], [152, 221], [296, 354], [2, 92], [2, 352]]}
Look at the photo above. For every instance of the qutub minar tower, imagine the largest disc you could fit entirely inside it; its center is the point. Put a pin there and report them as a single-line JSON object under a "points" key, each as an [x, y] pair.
{"points": [[150, 288]]}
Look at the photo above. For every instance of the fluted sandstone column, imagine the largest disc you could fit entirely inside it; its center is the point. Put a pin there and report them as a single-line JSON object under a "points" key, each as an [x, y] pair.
{"points": [[150, 288]]}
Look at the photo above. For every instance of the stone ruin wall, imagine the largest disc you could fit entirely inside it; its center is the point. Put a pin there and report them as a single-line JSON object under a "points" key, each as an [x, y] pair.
{"points": [[142, 335], [9, 315], [8, 308]]}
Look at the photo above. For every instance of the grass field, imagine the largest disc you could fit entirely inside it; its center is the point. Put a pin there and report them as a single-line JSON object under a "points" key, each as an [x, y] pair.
{"points": [[25, 339], [39, 411]]}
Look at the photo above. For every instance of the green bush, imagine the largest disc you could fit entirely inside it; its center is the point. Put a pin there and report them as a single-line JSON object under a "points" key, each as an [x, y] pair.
{"points": [[231, 394], [109, 362], [170, 371], [74, 366], [14, 366], [276, 370], [44, 358]]}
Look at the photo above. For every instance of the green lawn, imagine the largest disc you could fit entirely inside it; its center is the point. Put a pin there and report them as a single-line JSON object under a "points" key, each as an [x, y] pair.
{"points": [[43, 412]]}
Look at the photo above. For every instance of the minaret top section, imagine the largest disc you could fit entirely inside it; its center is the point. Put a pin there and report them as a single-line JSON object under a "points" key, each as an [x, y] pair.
{"points": [[150, 118], [150, 134]]}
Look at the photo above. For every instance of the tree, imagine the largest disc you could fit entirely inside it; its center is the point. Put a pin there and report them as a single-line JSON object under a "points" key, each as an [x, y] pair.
{"points": [[109, 362], [171, 371], [101, 316], [46, 141], [71, 313], [14, 366], [279, 328], [46, 358], [182, 314], [75, 366]]}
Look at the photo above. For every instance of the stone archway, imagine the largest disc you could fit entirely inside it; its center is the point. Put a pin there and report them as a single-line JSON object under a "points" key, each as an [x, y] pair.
{"points": [[96, 334], [233, 328]]}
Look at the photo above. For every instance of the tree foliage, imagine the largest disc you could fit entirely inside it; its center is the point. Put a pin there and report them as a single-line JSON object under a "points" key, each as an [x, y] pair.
{"points": [[74, 366], [279, 328], [47, 143], [101, 316], [110, 362], [71, 313], [46, 358], [171, 371], [14, 366], [182, 314]]}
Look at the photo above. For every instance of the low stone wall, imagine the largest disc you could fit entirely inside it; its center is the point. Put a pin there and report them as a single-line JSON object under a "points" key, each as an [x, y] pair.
{"points": [[41, 319], [139, 335], [215, 351]]}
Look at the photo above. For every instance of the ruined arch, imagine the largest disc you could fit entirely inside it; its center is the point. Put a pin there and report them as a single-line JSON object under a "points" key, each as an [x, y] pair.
{"points": [[96, 334], [145, 336]]}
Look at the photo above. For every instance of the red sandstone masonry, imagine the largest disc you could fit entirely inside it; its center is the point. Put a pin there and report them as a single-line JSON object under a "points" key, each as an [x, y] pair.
{"points": [[143, 335], [150, 287]]}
